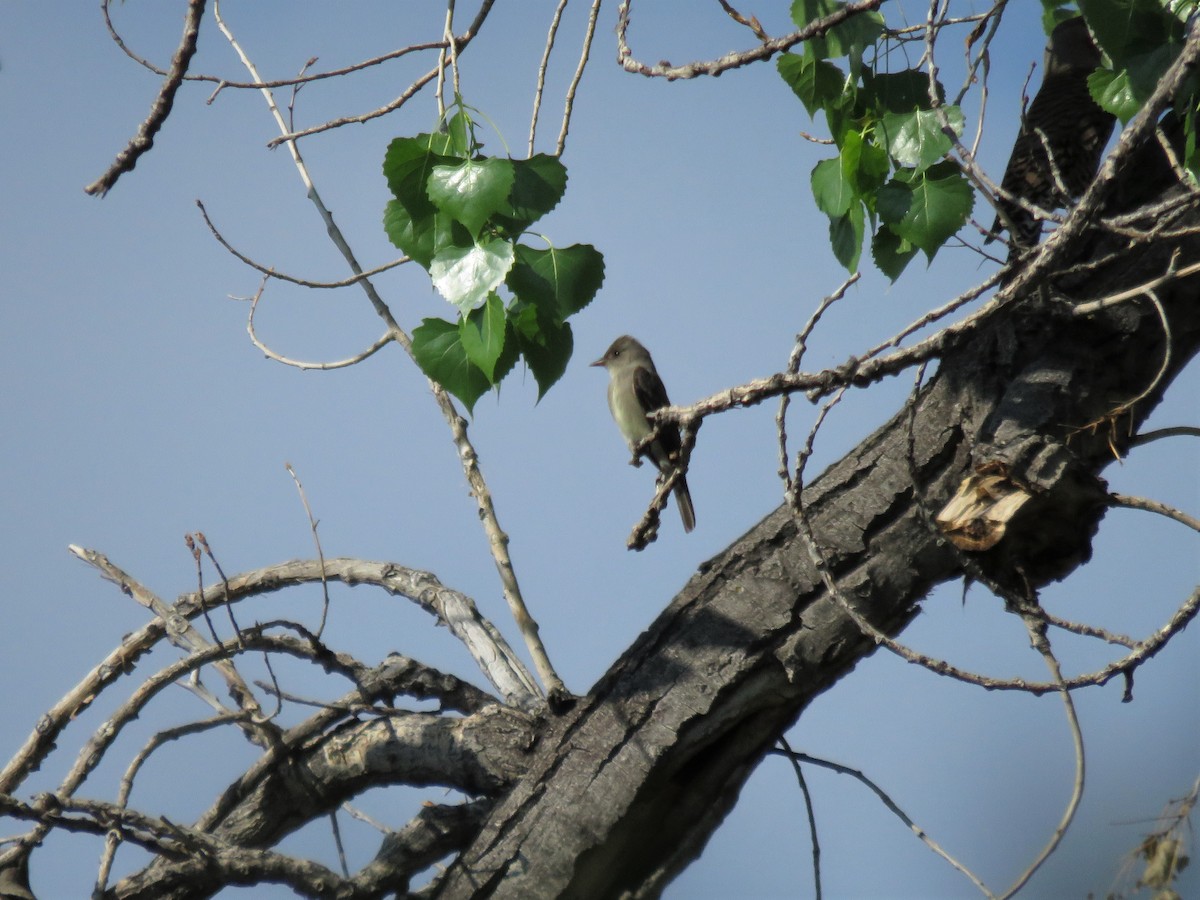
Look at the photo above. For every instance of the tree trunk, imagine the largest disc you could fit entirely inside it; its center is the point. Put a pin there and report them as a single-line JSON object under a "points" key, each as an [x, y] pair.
{"points": [[626, 788]]}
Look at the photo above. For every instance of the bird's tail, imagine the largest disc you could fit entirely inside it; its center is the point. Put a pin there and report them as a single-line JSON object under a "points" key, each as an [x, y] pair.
{"points": [[683, 499]]}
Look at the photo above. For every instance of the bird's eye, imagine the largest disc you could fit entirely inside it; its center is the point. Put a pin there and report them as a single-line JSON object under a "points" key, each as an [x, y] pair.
{"points": [[616, 353]]}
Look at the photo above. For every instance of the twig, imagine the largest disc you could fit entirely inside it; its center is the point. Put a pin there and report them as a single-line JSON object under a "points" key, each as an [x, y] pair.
{"points": [[1037, 637], [646, 530], [891, 805], [283, 276], [569, 101], [312, 524], [160, 109], [337, 841], [223, 83], [380, 342], [1094, 306], [450, 44], [808, 808], [541, 73], [203, 541], [765, 50], [793, 366], [1155, 506], [113, 839], [1158, 434], [855, 371], [460, 42], [184, 636], [756, 27]]}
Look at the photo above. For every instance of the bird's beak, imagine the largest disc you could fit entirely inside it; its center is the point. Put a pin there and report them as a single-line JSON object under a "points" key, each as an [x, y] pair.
{"points": [[600, 362]]}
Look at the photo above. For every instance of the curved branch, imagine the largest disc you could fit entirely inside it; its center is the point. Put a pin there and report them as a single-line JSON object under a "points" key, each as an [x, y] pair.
{"points": [[283, 276], [479, 754]]}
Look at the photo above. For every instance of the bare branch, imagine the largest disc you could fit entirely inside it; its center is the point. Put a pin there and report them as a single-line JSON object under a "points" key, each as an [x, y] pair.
{"points": [[569, 102], [796, 757], [283, 276], [541, 72], [1155, 506], [460, 42], [380, 342], [1039, 641], [763, 51], [160, 109]]}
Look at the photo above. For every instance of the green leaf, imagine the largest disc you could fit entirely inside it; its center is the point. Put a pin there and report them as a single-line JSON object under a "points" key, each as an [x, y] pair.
{"points": [[846, 236], [411, 221], [891, 252], [482, 333], [916, 138], [1114, 93], [1191, 153], [546, 346], [461, 130], [423, 237], [559, 282], [472, 190], [831, 188], [1146, 69], [816, 82], [873, 168], [898, 92], [940, 202], [1053, 13], [438, 350], [1127, 29], [538, 185], [893, 201], [408, 162], [466, 275], [849, 38]]}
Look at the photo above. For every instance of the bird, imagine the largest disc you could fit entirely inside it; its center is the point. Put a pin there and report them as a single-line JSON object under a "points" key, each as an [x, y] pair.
{"points": [[634, 391], [1076, 131]]}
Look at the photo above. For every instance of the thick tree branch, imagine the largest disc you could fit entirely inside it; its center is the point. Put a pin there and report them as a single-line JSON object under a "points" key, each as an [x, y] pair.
{"points": [[651, 761]]}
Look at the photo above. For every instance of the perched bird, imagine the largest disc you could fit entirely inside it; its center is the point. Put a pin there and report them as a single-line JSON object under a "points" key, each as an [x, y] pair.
{"points": [[634, 389], [1074, 127]]}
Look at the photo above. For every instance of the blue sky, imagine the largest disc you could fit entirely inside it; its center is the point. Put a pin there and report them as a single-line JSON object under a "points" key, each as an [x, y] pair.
{"points": [[136, 410]]}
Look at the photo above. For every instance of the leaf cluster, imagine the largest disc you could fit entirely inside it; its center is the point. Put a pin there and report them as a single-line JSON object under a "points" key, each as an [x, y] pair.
{"points": [[1142, 39], [893, 133], [459, 214]]}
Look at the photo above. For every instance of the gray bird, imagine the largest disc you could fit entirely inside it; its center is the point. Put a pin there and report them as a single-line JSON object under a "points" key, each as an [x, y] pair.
{"points": [[634, 389], [1075, 128]]}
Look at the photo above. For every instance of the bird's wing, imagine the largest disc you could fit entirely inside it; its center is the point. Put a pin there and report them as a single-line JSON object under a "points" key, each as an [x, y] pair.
{"points": [[652, 394], [649, 389]]}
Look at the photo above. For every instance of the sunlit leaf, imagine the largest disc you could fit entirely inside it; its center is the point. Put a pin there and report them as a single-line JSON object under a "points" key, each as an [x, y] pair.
{"points": [[916, 139], [466, 275], [472, 190]]}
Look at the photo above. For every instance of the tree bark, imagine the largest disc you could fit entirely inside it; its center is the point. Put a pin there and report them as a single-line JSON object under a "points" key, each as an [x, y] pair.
{"points": [[626, 788]]}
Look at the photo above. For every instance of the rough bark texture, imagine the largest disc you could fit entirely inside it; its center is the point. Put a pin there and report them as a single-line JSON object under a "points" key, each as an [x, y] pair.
{"points": [[626, 789]]}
